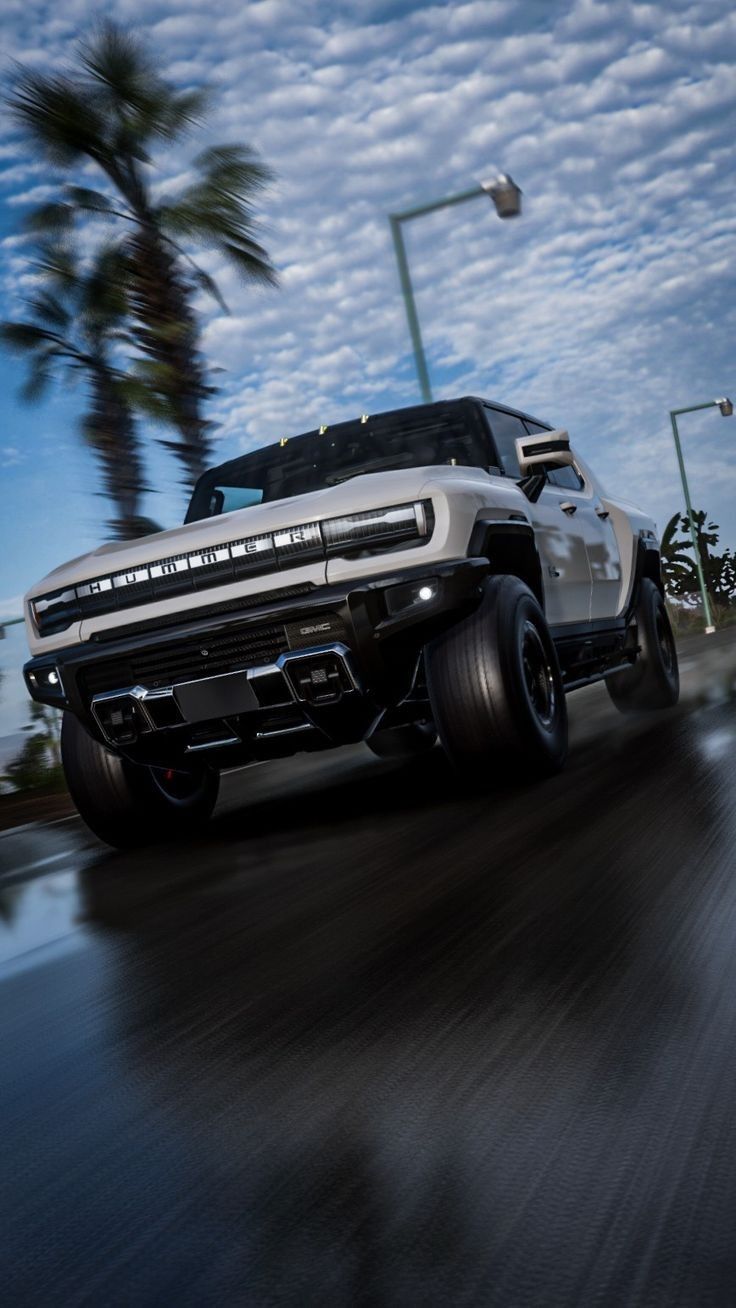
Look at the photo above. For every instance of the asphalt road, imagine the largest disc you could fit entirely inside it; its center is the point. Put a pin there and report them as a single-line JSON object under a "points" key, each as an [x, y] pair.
{"points": [[376, 1042]]}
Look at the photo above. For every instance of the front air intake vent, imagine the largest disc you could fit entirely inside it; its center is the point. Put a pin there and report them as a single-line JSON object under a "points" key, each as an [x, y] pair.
{"points": [[203, 655]]}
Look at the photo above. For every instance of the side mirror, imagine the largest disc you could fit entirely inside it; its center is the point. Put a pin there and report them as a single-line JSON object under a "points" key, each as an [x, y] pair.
{"points": [[546, 449]]}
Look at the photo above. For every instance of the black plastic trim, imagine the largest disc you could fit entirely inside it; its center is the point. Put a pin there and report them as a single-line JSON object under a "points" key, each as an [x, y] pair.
{"points": [[547, 447], [561, 632], [510, 546]]}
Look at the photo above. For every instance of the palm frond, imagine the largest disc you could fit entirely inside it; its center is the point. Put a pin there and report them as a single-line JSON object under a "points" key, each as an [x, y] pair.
{"points": [[53, 219], [216, 210], [57, 261], [670, 531], [208, 284], [124, 75], [24, 337], [118, 60], [39, 378], [56, 116], [90, 201], [235, 169], [48, 308]]}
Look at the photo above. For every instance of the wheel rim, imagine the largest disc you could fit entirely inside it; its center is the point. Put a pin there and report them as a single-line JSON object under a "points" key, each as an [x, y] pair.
{"points": [[178, 786], [666, 642], [539, 678]]}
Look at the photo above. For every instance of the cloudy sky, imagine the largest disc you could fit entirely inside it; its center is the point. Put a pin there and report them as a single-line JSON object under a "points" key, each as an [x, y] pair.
{"points": [[609, 302]]}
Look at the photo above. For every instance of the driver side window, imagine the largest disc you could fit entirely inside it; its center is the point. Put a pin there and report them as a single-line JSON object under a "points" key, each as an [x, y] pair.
{"points": [[565, 478], [505, 429]]}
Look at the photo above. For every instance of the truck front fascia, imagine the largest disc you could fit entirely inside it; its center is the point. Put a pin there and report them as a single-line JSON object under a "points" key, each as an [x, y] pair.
{"points": [[375, 631]]}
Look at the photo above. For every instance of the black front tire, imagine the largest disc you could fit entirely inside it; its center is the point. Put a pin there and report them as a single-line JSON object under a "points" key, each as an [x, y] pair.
{"points": [[653, 682], [496, 689], [128, 804]]}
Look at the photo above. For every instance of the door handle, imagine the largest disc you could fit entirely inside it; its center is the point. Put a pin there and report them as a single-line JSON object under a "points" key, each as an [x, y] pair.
{"points": [[603, 513], [569, 508]]}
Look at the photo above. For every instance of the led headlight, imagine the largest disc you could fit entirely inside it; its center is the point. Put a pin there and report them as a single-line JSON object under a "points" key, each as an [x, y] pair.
{"points": [[55, 612], [378, 528]]}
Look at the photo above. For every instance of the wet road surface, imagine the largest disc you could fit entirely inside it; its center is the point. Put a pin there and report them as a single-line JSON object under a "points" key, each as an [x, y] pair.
{"points": [[374, 1041]]}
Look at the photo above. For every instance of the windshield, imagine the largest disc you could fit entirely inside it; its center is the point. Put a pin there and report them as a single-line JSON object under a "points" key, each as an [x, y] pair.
{"points": [[406, 438]]}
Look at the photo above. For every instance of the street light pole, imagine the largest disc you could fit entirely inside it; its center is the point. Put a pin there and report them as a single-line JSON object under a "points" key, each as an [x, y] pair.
{"points": [[10, 622], [506, 197], [726, 409], [407, 290]]}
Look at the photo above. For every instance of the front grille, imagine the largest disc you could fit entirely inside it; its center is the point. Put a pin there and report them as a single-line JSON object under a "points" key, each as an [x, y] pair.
{"points": [[263, 597], [204, 655]]}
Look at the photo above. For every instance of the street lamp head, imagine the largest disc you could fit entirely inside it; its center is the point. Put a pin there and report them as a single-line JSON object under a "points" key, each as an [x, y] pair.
{"points": [[506, 195], [725, 406]]}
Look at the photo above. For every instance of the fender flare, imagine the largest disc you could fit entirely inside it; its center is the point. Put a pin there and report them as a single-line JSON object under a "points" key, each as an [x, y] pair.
{"points": [[648, 563], [510, 546]]}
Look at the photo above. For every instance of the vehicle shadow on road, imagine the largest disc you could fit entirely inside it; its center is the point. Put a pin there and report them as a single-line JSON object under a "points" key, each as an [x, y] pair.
{"points": [[370, 869]]}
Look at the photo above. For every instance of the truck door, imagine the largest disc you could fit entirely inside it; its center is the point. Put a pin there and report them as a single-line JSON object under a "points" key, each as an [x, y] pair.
{"points": [[561, 526], [605, 564], [570, 492]]}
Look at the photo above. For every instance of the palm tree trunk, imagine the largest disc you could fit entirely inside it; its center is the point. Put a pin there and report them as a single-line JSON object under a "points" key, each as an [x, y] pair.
{"points": [[167, 333], [705, 565], [110, 429]]}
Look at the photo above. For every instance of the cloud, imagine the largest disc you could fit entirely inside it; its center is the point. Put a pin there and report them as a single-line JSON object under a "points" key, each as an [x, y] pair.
{"points": [[36, 195], [608, 302], [11, 608]]}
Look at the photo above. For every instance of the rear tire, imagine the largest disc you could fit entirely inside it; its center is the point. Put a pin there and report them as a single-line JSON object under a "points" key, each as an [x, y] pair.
{"points": [[496, 689], [653, 682], [128, 804], [403, 742]]}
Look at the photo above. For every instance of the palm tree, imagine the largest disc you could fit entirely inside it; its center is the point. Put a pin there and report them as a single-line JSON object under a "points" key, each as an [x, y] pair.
{"points": [[75, 324], [113, 112], [679, 571]]}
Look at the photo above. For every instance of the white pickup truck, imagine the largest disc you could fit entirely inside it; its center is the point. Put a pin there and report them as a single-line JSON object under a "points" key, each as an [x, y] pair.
{"points": [[451, 570]]}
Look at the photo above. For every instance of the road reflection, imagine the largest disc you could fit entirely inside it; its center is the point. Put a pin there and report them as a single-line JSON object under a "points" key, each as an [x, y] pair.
{"points": [[472, 1043]]}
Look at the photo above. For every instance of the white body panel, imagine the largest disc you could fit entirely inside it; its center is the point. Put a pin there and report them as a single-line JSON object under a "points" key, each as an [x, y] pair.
{"points": [[574, 534], [561, 542]]}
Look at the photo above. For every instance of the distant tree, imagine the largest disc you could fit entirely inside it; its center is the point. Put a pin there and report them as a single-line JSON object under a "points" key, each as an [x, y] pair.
{"points": [[39, 761], [678, 568], [76, 320], [113, 112], [678, 563]]}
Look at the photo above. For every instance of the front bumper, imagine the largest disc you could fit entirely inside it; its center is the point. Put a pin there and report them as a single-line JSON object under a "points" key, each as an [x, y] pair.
{"points": [[328, 666]]}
